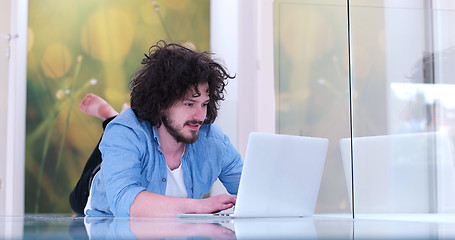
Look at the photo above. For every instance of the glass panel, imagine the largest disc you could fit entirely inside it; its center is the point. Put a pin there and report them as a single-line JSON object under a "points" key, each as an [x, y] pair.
{"points": [[312, 90], [403, 106]]}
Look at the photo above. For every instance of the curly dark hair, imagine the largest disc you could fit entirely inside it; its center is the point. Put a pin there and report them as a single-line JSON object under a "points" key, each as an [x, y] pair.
{"points": [[168, 71]]}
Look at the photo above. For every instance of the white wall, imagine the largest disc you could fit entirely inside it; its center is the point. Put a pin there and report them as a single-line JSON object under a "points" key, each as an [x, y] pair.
{"points": [[241, 36], [4, 70], [255, 76], [224, 43], [12, 160]]}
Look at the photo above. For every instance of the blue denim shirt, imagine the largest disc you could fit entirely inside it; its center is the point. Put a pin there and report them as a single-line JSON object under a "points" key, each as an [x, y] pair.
{"points": [[133, 162]]}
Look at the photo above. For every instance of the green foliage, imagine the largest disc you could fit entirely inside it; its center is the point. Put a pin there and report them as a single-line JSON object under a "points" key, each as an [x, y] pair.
{"points": [[81, 46]]}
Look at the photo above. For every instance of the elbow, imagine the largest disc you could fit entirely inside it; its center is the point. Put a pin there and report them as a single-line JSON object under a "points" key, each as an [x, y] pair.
{"points": [[136, 208]]}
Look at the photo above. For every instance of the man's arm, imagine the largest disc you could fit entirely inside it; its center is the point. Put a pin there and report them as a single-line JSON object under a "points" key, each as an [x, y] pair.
{"points": [[232, 168], [148, 204]]}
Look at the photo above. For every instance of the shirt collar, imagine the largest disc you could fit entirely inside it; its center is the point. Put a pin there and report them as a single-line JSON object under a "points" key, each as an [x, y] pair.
{"points": [[155, 136]]}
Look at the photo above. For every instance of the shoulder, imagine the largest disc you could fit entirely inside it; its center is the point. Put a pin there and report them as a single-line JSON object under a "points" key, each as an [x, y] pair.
{"points": [[128, 120], [210, 132], [212, 135], [127, 128]]}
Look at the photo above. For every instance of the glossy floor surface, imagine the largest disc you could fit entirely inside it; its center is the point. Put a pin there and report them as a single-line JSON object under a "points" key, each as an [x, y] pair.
{"points": [[45, 226]]}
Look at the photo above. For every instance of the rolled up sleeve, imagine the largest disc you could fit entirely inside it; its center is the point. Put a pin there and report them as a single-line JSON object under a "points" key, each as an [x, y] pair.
{"points": [[231, 169]]}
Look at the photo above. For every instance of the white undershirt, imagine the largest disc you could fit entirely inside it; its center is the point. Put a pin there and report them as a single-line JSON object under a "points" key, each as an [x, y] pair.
{"points": [[176, 183]]}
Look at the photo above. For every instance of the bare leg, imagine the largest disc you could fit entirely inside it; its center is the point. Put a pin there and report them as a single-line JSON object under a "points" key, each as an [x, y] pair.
{"points": [[94, 105]]}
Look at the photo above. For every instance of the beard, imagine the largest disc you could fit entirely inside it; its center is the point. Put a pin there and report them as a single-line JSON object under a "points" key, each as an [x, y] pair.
{"points": [[177, 134]]}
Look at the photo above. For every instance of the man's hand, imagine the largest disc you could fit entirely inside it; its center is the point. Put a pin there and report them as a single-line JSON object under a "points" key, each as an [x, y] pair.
{"points": [[216, 203]]}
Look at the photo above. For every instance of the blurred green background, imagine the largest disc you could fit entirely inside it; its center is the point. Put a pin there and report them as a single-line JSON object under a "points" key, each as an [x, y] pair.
{"points": [[80, 46]]}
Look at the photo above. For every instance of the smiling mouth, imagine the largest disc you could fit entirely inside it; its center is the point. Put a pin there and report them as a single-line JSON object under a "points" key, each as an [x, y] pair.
{"points": [[194, 124]]}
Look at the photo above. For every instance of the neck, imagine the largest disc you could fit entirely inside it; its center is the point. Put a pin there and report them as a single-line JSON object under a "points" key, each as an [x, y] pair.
{"points": [[172, 149]]}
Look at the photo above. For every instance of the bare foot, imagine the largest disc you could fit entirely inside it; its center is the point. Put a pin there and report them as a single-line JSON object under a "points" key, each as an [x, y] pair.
{"points": [[96, 106], [124, 107]]}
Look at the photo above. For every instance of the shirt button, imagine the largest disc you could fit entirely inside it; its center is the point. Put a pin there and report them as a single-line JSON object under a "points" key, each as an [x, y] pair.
{"points": [[164, 179]]}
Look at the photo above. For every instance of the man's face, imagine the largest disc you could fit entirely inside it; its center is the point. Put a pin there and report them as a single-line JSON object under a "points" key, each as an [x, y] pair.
{"points": [[184, 118]]}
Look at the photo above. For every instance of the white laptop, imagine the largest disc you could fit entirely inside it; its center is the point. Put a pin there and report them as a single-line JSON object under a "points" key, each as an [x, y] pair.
{"points": [[280, 177]]}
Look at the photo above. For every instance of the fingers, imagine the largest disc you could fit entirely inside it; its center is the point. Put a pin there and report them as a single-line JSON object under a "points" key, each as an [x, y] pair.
{"points": [[233, 199], [226, 198], [227, 201], [227, 206], [219, 203]]}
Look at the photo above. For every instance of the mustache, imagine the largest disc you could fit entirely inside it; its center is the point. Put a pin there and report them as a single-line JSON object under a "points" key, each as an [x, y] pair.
{"points": [[193, 122]]}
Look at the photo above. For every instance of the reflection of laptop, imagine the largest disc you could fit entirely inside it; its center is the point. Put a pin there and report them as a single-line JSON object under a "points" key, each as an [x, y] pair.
{"points": [[401, 173], [275, 228], [280, 177]]}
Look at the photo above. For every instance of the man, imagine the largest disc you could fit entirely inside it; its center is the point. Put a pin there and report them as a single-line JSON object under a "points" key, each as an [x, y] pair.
{"points": [[162, 155]]}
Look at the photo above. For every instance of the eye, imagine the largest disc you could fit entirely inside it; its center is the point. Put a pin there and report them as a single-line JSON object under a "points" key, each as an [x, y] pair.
{"points": [[205, 104], [188, 104]]}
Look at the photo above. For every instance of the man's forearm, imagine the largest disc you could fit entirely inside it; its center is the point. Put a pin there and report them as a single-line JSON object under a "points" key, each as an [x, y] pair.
{"points": [[148, 204]]}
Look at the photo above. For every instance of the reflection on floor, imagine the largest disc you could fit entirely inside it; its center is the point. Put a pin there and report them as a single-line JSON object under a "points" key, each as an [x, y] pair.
{"points": [[45, 226]]}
